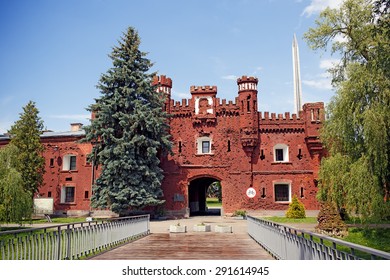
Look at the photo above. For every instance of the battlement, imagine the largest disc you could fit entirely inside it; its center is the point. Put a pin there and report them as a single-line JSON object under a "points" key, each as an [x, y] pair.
{"points": [[203, 89], [244, 79], [162, 81], [247, 83], [266, 116]]}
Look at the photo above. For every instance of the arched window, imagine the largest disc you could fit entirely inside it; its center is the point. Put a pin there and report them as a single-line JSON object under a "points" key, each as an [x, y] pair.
{"points": [[281, 153]]}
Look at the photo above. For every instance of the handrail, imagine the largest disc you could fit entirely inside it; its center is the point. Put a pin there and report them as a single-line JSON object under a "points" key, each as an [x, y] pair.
{"points": [[285, 242], [71, 241]]}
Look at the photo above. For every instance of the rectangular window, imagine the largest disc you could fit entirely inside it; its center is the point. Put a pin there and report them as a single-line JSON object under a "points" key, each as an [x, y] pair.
{"points": [[205, 147], [72, 164], [282, 192], [279, 155], [69, 163], [67, 194], [86, 194], [52, 162]]}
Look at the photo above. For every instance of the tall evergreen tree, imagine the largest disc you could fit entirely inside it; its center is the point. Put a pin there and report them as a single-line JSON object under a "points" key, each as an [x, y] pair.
{"points": [[356, 175], [129, 131], [25, 135]]}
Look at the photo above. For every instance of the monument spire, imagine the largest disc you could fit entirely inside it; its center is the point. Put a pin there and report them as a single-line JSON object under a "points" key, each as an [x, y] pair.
{"points": [[297, 77]]}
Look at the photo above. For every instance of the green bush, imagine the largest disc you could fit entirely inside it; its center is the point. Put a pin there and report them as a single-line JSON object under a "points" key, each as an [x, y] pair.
{"points": [[239, 213], [330, 222], [296, 210]]}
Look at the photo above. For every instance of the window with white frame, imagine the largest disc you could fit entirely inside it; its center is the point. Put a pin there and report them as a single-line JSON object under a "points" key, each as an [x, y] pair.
{"points": [[282, 192], [67, 194], [69, 162], [281, 153], [203, 145]]}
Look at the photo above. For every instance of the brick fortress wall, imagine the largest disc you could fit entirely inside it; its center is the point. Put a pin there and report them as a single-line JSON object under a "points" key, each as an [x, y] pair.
{"points": [[213, 140], [242, 150]]}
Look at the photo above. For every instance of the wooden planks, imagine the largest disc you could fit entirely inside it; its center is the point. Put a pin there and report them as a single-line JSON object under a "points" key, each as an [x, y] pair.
{"points": [[189, 246]]}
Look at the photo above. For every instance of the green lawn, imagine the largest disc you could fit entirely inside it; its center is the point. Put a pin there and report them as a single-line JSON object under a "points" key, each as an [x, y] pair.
{"points": [[213, 202], [65, 220], [377, 238], [283, 220]]}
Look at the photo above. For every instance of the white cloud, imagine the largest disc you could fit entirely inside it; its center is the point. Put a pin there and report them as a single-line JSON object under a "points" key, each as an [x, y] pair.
{"points": [[71, 117], [323, 84], [316, 6], [329, 63], [339, 38], [230, 77]]}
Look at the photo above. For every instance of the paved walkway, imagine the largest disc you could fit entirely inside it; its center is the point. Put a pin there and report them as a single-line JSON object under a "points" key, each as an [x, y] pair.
{"points": [[161, 244]]}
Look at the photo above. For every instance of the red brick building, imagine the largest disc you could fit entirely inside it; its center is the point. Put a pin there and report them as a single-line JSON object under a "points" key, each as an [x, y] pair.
{"points": [[277, 156]]}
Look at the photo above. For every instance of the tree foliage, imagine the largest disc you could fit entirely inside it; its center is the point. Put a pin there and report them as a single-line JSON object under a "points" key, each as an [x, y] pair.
{"points": [[15, 201], [215, 190], [25, 135], [356, 175], [129, 131]]}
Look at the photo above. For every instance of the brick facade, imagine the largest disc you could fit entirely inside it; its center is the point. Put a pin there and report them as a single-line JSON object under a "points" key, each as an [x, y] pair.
{"points": [[213, 140], [243, 143]]}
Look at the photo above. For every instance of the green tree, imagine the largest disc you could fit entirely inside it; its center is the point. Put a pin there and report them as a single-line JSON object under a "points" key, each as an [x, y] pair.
{"points": [[25, 135], [356, 175], [15, 201], [215, 190], [129, 131]]}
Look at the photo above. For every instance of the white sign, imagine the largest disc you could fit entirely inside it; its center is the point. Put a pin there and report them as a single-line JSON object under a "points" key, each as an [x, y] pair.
{"points": [[251, 192], [43, 205]]}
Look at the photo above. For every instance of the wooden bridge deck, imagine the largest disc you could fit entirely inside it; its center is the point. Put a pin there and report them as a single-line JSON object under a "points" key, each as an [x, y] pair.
{"points": [[189, 246]]}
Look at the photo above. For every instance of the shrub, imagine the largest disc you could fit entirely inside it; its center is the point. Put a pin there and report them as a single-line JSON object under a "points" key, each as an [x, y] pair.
{"points": [[296, 210], [239, 213], [330, 222]]}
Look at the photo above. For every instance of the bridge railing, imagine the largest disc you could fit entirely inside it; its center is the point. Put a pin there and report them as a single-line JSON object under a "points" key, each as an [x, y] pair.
{"points": [[288, 243], [71, 241]]}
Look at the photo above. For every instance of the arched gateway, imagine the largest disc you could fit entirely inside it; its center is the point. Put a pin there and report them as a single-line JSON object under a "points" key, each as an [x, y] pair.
{"points": [[197, 195]]}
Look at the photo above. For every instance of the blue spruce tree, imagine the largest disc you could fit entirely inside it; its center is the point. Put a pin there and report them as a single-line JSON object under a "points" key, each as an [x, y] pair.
{"points": [[129, 132]]}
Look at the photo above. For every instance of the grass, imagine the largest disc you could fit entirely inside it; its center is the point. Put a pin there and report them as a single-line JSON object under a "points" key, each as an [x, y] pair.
{"points": [[283, 220], [377, 238], [213, 202], [66, 220]]}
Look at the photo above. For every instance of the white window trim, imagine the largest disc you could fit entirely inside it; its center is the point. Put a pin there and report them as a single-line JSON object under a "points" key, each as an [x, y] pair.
{"points": [[66, 162], [289, 192], [63, 194], [285, 152], [199, 141]]}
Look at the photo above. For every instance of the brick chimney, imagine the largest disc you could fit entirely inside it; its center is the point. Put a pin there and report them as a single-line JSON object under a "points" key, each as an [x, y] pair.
{"points": [[75, 126]]}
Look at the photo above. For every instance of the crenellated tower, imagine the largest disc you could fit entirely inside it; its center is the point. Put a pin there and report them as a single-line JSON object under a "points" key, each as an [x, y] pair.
{"points": [[164, 85], [249, 120]]}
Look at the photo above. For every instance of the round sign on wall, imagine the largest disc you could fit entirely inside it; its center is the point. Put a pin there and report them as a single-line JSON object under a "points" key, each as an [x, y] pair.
{"points": [[251, 192]]}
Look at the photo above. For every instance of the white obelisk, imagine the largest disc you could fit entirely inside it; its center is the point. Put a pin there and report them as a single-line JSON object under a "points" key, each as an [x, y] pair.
{"points": [[297, 77]]}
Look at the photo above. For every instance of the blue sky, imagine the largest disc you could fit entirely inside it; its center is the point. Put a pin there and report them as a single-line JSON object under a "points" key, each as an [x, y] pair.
{"points": [[54, 52]]}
